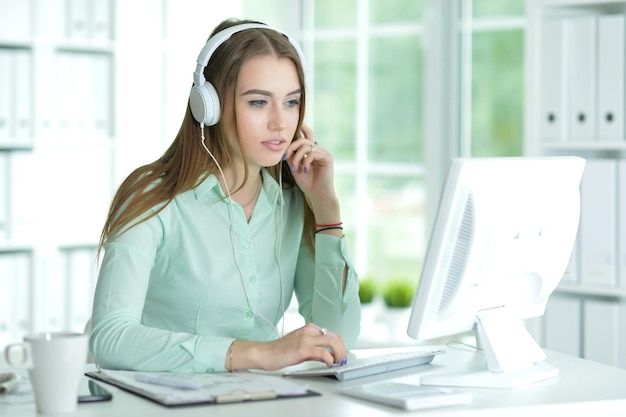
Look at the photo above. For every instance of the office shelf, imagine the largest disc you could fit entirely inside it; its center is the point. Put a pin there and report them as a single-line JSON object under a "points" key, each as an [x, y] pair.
{"points": [[574, 105], [58, 65]]}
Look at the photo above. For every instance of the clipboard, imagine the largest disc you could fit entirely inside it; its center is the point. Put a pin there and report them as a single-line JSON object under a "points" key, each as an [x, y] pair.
{"points": [[218, 388]]}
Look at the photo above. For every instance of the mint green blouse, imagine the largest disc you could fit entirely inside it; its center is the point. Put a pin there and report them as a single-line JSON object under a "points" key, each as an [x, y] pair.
{"points": [[173, 292]]}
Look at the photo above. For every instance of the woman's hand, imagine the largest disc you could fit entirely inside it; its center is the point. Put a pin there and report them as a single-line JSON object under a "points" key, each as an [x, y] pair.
{"points": [[312, 166], [308, 343]]}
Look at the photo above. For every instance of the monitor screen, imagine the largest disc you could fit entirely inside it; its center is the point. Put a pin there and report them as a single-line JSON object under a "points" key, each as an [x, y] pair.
{"points": [[500, 244]]}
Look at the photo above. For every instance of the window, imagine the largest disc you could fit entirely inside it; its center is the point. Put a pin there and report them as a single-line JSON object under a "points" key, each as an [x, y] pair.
{"points": [[367, 78], [492, 49], [367, 109]]}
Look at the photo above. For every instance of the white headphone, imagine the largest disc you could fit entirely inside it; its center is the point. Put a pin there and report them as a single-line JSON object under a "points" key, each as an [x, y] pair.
{"points": [[203, 99]]}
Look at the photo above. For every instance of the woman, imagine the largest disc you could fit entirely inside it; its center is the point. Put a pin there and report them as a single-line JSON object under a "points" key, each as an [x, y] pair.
{"points": [[204, 247]]}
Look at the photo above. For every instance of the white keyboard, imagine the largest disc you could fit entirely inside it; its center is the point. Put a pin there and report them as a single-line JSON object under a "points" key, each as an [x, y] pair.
{"points": [[378, 364]]}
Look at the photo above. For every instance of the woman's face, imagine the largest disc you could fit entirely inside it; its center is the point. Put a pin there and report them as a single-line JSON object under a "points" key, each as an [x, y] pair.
{"points": [[267, 103]]}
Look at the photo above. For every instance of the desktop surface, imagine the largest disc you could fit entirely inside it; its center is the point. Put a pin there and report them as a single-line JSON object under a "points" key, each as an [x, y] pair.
{"points": [[581, 389]]}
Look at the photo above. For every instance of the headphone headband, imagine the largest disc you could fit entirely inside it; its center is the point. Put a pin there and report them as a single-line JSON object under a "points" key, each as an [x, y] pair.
{"points": [[203, 98]]}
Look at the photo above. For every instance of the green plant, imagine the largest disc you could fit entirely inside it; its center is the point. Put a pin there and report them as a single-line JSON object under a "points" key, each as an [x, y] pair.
{"points": [[367, 290], [398, 292]]}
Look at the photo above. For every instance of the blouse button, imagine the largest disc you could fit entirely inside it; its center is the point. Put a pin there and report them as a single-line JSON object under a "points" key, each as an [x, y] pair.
{"points": [[249, 314], [246, 245], [252, 278]]}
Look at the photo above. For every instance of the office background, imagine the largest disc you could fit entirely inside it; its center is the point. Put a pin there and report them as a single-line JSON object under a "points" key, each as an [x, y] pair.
{"points": [[90, 89]]}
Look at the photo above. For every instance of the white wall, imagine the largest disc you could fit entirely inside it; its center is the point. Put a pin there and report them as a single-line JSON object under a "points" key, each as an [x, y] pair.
{"points": [[55, 195]]}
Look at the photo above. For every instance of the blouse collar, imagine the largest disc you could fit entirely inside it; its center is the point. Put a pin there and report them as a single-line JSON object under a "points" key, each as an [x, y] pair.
{"points": [[210, 190]]}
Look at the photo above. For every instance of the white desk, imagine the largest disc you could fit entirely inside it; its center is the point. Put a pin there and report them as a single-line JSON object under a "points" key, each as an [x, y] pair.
{"points": [[583, 388]]}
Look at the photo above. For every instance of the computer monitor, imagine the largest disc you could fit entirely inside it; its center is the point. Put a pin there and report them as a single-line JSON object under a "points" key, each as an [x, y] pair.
{"points": [[500, 244]]}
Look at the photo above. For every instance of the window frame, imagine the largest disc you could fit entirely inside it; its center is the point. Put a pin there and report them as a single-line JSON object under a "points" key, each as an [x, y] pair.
{"points": [[447, 30]]}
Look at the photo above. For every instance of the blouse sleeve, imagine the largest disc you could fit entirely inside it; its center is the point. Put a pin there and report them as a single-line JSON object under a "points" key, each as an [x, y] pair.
{"points": [[319, 290], [118, 338]]}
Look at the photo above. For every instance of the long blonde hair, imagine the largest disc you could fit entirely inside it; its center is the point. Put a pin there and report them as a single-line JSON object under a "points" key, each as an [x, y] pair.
{"points": [[185, 163]]}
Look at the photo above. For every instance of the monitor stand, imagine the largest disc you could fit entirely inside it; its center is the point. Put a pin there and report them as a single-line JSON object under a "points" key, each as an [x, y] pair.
{"points": [[513, 358]]}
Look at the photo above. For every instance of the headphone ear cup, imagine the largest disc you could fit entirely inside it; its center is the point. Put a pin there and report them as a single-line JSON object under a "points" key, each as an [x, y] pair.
{"points": [[205, 104]]}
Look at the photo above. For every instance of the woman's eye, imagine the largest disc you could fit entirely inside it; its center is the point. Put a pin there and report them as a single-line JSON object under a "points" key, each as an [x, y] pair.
{"points": [[257, 103], [293, 103]]}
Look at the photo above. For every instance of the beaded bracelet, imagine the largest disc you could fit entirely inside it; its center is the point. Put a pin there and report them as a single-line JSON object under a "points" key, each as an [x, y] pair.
{"points": [[328, 225], [328, 228]]}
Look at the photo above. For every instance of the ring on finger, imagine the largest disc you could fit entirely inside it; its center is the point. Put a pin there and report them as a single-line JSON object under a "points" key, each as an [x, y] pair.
{"points": [[324, 331], [305, 155]]}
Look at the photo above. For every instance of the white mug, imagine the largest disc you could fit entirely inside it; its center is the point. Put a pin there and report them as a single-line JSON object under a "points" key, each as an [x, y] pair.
{"points": [[56, 363]]}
